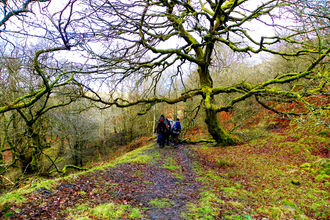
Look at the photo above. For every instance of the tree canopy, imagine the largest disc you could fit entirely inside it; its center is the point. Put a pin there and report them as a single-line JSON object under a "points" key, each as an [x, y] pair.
{"points": [[143, 39], [140, 43]]}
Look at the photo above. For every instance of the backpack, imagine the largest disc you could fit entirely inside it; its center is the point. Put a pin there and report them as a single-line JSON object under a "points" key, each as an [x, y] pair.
{"points": [[177, 126], [161, 127], [168, 125]]}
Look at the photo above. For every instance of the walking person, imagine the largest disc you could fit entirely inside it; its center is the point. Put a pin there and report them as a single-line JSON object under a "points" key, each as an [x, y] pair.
{"points": [[168, 131], [161, 130], [176, 130]]}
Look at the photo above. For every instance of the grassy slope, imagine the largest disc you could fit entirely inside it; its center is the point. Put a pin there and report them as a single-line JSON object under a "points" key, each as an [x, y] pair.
{"points": [[261, 179]]}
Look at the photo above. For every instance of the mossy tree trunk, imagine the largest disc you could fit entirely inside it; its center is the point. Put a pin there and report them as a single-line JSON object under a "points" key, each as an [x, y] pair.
{"points": [[30, 157], [221, 137], [30, 154], [77, 152], [218, 133], [2, 145]]}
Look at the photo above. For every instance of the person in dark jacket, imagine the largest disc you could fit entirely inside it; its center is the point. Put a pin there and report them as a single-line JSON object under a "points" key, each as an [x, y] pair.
{"points": [[161, 130], [168, 131]]}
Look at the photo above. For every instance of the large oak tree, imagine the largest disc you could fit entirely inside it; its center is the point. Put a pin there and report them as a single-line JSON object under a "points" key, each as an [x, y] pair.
{"points": [[142, 39]]}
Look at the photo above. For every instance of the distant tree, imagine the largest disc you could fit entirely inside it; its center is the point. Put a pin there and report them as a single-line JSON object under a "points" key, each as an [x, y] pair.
{"points": [[25, 133], [78, 129], [35, 26], [27, 95], [312, 12], [142, 39], [32, 74]]}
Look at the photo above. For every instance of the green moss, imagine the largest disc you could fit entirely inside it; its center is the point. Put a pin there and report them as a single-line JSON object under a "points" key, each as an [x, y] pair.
{"points": [[139, 173], [170, 164], [258, 142], [179, 176], [9, 215], [17, 195], [229, 189], [236, 205], [323, 162], [296, 149], [290, 203], [105, 211], [296, 182], [324, 133], [318, 192], [325, 171], [205, 209], [297, 135], [162, 202], [277, 212], [135, 214], [82, 193], [224, 163], [305, 165], [137, 156], [322, 177], [327, 184], [109, 211]]}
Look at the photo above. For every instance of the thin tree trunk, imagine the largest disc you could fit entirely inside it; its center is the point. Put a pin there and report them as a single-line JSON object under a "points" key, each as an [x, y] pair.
{"points": [[61, 147], [32, 161], [2, 145]]}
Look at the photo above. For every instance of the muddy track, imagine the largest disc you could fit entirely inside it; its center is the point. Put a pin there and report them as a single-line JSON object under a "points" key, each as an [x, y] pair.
{"points": [[160, 189], [179, 191]]}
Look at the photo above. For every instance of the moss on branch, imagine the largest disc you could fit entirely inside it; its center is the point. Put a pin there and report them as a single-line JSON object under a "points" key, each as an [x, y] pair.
{"points": [[122, 103], [186, 141], [64, 170], [208, 98], [16, 105]]}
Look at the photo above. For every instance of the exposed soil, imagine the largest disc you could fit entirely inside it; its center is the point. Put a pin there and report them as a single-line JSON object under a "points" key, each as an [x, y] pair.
{"points": [[261, 179], [128, 183]]}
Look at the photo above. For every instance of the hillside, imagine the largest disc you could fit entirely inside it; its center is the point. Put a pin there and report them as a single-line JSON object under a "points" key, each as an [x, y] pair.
{"points": [[281, 176]]}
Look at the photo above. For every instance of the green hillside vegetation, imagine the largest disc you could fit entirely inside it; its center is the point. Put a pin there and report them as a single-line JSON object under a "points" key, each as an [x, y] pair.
{"points": [[83, 83], [283, 175]]}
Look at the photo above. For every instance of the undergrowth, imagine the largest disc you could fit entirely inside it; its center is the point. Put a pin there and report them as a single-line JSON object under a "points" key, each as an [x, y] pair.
{"points": [[284, 175], [276, 177]]}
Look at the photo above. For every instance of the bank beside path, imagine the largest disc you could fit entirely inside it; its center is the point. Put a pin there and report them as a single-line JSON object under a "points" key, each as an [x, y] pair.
{"points": [[258, 180]]}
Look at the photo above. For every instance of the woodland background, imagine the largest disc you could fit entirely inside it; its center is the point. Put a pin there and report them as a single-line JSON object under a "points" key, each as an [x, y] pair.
{"points": [[73, 95]]}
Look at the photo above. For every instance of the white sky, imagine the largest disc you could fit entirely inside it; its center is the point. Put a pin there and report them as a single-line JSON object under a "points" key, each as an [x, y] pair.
{"points": [[257, 31]]}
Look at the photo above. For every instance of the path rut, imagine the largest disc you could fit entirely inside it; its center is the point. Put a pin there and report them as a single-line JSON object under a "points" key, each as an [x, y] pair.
{"points": [[160, 189]]}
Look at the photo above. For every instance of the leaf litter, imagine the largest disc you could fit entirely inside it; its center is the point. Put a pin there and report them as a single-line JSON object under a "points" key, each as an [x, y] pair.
{"points": [[131, 184], [258, 180]]}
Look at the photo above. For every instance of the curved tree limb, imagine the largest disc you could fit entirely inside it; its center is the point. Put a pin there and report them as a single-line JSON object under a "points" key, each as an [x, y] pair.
{"points": [[8, 12], [7, 180], [63, 171]]}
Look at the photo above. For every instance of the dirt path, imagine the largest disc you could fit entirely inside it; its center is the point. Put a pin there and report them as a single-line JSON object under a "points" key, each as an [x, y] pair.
{"points": [[178, 190], [160, 189]]}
